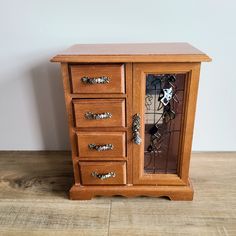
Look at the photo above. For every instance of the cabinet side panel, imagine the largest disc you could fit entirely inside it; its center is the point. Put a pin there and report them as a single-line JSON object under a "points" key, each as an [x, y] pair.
{"points": [[68, 101], [190, 109]]}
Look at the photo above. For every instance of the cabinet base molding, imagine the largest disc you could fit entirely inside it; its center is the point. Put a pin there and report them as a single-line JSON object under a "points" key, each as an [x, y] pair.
{"points": [[183, 193]]}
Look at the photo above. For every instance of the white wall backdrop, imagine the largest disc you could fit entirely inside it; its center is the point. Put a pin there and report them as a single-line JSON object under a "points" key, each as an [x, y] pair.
{"points": [[32, 110]]}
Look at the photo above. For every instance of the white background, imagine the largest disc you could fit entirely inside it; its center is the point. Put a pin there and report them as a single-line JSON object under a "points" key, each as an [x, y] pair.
{"points": [[32, 110]]}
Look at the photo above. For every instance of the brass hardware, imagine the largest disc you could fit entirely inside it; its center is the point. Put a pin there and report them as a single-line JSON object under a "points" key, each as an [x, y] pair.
{"points": [[100, 148], [96, 80], [92, 116], [135, 128], [103, 176]]}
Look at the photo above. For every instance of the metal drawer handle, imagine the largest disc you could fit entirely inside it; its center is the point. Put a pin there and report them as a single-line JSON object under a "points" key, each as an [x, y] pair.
{"points": [[100, 148], [103, 176], [135, 128], [96, 80], [94, 116]]}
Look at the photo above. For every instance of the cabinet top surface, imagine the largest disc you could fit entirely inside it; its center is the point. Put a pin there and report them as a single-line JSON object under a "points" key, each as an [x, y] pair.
{"points": [[137, 52]]}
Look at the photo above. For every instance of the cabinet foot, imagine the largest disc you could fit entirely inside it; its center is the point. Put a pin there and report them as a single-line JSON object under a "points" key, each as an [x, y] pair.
{"points": [[80, 193], [175, 193]]}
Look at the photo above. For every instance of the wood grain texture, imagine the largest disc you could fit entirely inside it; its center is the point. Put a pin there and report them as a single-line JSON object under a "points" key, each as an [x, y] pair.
{"points": [[149, 52], [117, 139], [34, 202], [70, 117], [177, 193], [87, 168], [53, 216], [116, 107], [129, 116], [188, 121], [115, 73]]}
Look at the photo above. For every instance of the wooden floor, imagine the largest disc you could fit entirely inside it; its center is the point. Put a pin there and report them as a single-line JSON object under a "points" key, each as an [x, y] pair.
{"points": [[34, 201]]}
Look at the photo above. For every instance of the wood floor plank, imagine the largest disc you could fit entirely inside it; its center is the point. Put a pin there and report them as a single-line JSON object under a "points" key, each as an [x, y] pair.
{"points": [[83, 217], [34, 201], [34, 198], [35, 174], [212, 212]]}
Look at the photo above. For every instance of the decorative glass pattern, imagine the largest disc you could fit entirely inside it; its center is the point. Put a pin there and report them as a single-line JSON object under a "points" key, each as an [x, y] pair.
{"points": [[163, 118]]}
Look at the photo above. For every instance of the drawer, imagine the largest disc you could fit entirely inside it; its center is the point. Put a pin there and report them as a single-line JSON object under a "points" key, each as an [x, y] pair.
{"points": [[101, 144], [103, 173], [104, 78], [99, 112]]}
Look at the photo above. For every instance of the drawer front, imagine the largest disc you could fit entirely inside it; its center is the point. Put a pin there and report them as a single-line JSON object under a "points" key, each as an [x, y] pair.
{"points": [[101, 144], [103, 173], [99, 112], [98, 78]]}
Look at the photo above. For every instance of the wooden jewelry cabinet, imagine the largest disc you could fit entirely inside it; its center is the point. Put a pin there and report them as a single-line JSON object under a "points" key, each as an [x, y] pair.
{"points": [[131, 114]]}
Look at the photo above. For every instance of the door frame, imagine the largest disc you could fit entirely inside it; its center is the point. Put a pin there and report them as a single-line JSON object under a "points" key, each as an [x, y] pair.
{"points": [[140, 70]]}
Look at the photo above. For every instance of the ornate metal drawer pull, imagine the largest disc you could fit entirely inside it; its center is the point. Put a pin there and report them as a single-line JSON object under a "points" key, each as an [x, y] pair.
{"points": [[103, 176], [100, 148], [96, 80], [135, 128], [92, 116]]}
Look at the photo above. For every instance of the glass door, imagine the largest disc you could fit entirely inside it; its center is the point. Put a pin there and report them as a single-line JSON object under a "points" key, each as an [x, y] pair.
{"points": [[164, 96], [159, 102]]}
